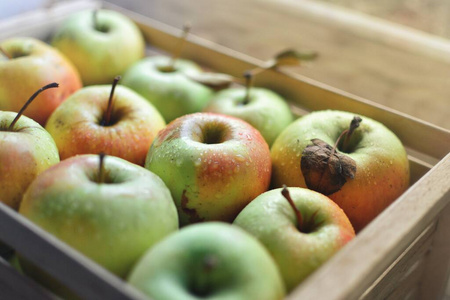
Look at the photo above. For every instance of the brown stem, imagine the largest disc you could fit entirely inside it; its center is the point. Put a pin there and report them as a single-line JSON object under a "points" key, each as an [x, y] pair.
{"points": [[101, 168], [348, 134], [179, 47], [20, 113], [248, 86], [5, 53], [107, 117], [287, 195]]}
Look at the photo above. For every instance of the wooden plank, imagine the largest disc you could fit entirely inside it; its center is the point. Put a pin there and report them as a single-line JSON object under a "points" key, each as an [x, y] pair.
{"points": [[378, 30], [14, 285], [359, 64], [437, 271], [405, 271], [309, 94], [355, 268]]}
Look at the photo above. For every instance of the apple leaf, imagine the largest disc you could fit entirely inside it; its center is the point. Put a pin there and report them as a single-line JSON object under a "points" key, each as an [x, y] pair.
{"points": [[216, 81], [292, 57], [325, 170]]}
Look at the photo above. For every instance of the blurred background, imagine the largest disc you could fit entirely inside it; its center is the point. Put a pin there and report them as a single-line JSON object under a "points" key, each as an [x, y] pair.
{"points": [[394, 52]]}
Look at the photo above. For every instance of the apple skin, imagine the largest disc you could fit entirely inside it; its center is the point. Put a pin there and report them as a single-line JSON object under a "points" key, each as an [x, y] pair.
{"points": [[35, 64], [296, 253], [112, 223], [266, 110], [25, 152], [208, 261], [75, 125], [172, 93], [382, 172], [100, 56], [214, 165]]}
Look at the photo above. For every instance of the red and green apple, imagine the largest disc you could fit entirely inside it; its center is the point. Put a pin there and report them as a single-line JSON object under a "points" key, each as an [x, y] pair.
{"points": [[213, 164]]}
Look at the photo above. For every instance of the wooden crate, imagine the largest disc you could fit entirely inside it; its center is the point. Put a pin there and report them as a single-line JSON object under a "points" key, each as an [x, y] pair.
{"points": [[403, 254]]}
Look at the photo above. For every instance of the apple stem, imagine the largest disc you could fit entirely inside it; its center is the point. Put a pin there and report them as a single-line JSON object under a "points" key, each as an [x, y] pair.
{"points": [[101, 168], [179, 47], [348, 134], [287, 195], [248, 86], [107, 117], [94, 18], [202, 286], [5, 53], [20, 113]]}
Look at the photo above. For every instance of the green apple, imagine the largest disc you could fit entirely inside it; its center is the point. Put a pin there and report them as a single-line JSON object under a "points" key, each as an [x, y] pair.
{"points": [[214, 165], [299, 244], [101, 44], [262, 108], [26, 64], [26, 150], [111, 218], [375, 159], [169, 90], [78, 125], [208, 261]]}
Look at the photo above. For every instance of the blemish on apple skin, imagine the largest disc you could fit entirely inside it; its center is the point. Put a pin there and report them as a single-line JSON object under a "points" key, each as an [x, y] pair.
{"points": [[190, 212]]}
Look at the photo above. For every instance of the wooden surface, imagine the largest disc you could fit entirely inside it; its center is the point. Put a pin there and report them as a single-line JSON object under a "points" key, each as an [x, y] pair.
{"points": [[403, 80]]}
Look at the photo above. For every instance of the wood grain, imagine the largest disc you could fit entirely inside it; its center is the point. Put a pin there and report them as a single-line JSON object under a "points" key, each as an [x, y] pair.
{"points": [[409, 82]]}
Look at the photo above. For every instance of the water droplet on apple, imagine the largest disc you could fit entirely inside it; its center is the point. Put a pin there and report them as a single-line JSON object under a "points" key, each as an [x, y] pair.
{"points": [[236, 169], [178, 162], [198, 162], [240, 157]]}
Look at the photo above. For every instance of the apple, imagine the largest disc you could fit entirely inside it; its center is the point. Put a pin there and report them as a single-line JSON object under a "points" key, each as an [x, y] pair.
{"points": [[26, 64], [89, 121], [109, 209], [363, 172], [171, 92], [100, 43], [213, 164], [166, 83], [303, 232], [26, 150], [262, 108], [208, 261]]}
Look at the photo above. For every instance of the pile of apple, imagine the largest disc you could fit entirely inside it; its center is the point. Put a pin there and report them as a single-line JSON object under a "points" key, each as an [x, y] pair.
{"points": [[127, 182]]}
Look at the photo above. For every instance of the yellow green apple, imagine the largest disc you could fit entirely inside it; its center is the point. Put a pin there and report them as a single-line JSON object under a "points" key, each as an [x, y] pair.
{"points": [[363, 173], [262, 108], [26, 150], [169, 89], [111, 218], [101, 44], [300, 235], [208, 261]]}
